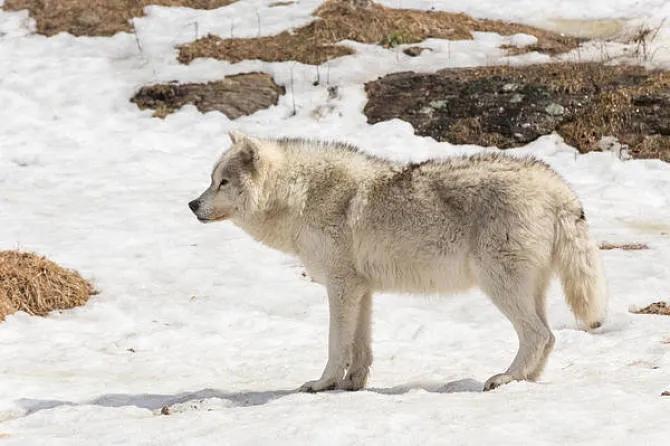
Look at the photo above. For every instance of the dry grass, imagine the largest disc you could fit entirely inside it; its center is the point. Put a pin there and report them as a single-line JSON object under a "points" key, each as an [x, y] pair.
{"points": [[632, 107], [624, 246], [658, 308], [642, 39], [95, 17], [337, 20], [33, 284]]}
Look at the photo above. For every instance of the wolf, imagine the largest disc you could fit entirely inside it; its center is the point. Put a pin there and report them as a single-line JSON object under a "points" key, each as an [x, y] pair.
{"points": [[362, 224]]}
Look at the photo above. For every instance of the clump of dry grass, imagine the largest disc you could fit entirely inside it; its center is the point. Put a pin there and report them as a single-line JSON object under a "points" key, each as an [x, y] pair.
{"points": [[642, 39], [658, 308], [36, 285], [606, 246], [95, 17], [338, 20]]}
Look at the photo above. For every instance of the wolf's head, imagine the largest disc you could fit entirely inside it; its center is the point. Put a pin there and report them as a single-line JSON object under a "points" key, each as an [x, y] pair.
{"points": [[234, 181]]}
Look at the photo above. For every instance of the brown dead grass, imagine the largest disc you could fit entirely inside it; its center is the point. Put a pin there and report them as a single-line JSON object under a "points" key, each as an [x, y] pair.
{"points": [[95, 17], [658, 308], [36, 285], [635, 110], [337, 20], [624, 246]]}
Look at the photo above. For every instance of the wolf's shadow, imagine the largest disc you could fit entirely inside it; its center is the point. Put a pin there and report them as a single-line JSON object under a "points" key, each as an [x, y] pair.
{"points": [[461, 385], [238, 399]]}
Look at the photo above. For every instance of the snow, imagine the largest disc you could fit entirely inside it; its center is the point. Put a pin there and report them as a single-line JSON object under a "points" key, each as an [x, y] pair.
{"points": [[205, 320]]}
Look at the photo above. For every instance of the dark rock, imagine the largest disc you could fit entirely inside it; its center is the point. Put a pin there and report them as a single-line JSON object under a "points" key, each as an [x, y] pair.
{"points": [[415, 51], [234, 96]]}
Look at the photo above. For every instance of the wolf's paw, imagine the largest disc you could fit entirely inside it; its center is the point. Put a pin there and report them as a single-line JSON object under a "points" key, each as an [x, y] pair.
{"points": [[497, 381], [354, 380], [318, 385]]}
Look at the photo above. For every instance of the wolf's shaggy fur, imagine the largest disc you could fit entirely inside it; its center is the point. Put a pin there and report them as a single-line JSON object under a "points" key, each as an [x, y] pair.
{"points": [[363, 224]]}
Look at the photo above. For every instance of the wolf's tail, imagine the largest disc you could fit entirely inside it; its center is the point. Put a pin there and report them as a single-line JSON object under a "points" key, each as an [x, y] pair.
{"points": [[580, 270]]}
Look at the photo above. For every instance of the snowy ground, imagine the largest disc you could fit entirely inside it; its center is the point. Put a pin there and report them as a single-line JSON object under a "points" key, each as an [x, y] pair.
{"points": [[203, 319]]}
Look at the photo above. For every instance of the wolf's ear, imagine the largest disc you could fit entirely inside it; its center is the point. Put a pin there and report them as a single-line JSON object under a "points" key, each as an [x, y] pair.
{"points": [[236, 136], [250, 152]]}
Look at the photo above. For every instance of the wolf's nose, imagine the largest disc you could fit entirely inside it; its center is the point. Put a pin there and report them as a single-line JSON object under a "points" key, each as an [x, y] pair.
{"points": [[194, 205]]}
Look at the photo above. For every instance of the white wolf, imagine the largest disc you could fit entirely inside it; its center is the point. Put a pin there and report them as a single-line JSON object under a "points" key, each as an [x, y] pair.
{"points": [[361, 224]]}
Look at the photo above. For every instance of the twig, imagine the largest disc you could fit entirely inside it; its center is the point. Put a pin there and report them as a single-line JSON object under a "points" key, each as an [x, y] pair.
{"points": [[294, 112]]}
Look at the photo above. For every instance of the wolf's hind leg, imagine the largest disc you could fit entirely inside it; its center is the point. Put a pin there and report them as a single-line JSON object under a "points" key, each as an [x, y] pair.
{"points": [[515, 294], [541, 286], [357, 374]]}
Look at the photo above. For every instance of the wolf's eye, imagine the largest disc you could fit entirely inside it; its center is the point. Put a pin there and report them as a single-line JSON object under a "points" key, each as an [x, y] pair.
{"points": [[223, 182]]}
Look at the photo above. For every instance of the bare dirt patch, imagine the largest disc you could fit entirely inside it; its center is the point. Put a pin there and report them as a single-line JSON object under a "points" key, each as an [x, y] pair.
{"points": [[95, 17], [659, 308], [587, 104], [234, 96], [36, 285], [605, 246], [338, 20]]}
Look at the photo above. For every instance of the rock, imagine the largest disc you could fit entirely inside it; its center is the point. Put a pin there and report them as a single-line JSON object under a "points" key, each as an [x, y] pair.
{"points": [[516, 98], [555, 109], [333, 92], [612, 144], [510, 87], [234, 96], [438, 104], [414, 51]]}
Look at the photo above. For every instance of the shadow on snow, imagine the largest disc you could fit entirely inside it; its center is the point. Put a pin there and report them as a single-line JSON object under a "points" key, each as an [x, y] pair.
{"points": [[237, 399]]}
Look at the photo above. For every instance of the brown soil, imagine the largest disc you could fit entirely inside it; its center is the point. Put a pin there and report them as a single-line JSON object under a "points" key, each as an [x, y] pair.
{"points": [[624, 246], [659, 308], [338, 20], [511, 106], [234, 96], [33, 284], [95, 17]]}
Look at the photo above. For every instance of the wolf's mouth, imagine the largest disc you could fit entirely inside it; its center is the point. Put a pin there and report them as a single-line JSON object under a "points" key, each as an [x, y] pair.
{"points": [[211, 220]]}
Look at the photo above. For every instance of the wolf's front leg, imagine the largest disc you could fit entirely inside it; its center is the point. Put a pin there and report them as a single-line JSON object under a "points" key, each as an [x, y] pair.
{"points": [[344, 300], [357, 374]]}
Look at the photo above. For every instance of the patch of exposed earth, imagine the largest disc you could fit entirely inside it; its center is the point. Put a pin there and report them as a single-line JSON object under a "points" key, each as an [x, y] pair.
{"points": [[594, 107], [658, 308], [95, 17], [365, 22]]}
